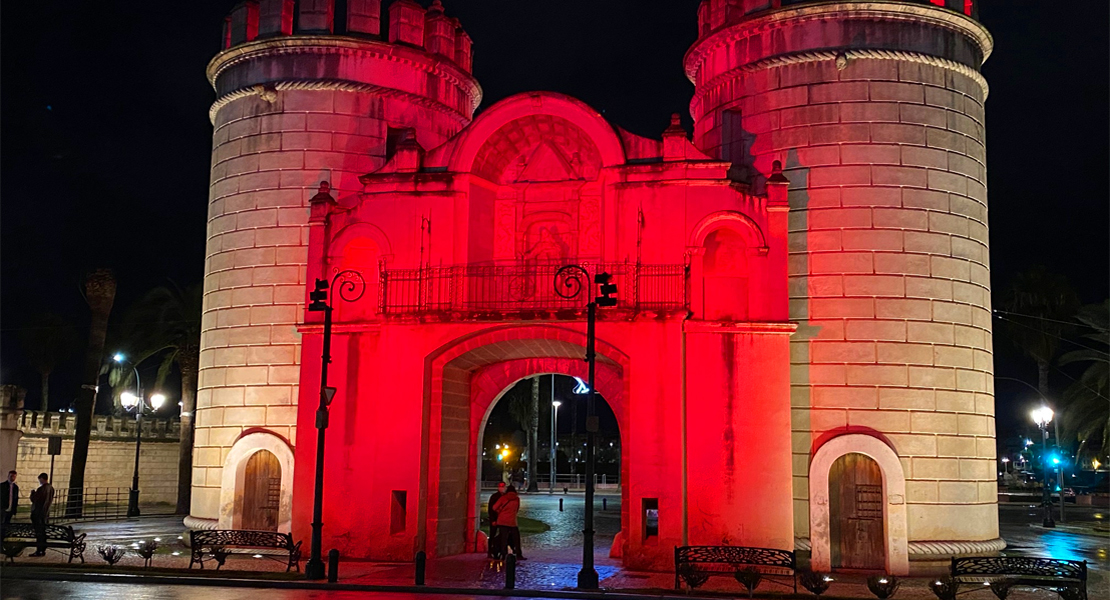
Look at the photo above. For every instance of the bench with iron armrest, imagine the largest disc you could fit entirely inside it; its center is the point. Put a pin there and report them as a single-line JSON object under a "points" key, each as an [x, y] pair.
{"points": [[1065, 577], [18, 536], [696, 564], [216, 544]]}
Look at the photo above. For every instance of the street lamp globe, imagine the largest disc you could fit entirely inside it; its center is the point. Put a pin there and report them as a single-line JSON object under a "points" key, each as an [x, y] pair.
{"points": [[118, 357], [1042, 416], [157, 400], [556, 403], [128, 400]]}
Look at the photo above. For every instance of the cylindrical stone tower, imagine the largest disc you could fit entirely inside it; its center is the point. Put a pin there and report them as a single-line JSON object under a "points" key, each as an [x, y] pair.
{"points": [[320, 95], [876, 111]]}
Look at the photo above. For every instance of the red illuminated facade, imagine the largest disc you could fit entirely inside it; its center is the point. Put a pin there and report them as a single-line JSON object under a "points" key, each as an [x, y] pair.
{"points": [[804, 280]]}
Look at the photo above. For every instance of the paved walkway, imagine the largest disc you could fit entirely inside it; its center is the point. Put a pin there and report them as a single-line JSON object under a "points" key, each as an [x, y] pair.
{"points": [[555, 556]]}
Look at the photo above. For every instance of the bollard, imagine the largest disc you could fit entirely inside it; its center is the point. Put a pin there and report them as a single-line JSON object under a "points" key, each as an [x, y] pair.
{"points": [[510, 572], [333, 565], [421, 562], [604, 504], [560, 505]]}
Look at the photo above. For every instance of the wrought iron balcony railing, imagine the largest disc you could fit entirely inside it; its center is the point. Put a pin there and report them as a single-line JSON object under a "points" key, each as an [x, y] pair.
{"points": [[496, 291]]}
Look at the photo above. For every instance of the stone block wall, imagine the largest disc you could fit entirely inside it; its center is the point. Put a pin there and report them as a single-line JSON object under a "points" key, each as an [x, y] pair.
{"points": [[111, 461], [111, 465], [884, 148]]}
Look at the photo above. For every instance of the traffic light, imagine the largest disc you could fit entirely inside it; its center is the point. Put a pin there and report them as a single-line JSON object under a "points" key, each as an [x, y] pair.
{"points": [[319, 296], [608, 290]]}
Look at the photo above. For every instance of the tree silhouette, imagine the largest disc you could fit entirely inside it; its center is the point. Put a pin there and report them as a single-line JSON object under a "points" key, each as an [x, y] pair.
{"points": [[1086, 416], [100, 294], [48, 339], [164, 325]]}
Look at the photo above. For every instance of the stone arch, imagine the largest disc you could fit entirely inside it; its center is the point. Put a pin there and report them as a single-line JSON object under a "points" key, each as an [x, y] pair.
{"points": [[520, 106], [737, 221], [490, 383], [894, 500], [342, 238], [456, 378], [362, 247], [234, 473]]}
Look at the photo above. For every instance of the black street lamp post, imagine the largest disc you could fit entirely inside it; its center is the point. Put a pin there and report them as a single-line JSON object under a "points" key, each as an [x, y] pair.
{"points": [[1042, 416], [351, 289], [569, 284], [138, 403]]}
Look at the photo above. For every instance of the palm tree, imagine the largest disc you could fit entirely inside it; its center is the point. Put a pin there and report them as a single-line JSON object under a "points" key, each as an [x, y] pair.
{"points": [[1086, 414], [1039, 308], [100, 294], [525, 411], [165, 325], [48, 339]]}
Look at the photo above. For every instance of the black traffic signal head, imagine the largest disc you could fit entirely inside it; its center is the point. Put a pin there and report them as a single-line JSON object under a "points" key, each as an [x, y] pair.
{"points": [[319, 296], [608, 290]]}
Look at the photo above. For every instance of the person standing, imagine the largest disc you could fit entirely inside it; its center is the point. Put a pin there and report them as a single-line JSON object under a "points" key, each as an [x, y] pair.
{"points": [[507, 507], [9, 499], [41, 499], [494, 544]]}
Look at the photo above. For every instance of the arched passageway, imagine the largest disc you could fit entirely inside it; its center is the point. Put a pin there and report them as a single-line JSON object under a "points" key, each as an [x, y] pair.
{"points": [[505, 455], [462, 397]]}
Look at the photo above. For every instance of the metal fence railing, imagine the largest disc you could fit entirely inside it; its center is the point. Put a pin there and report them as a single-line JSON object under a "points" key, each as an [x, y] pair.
{"points": [[92, 504], [522, 287]]}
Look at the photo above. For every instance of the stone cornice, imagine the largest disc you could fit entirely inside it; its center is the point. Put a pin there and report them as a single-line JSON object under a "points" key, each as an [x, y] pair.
{"points": [[336, 85], [327, 44], [876, 11], [698, 326], [802, 57]]}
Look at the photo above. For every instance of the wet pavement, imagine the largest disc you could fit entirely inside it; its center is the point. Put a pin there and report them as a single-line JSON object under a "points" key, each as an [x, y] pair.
{"points": [[56, 590], [555, 556]]}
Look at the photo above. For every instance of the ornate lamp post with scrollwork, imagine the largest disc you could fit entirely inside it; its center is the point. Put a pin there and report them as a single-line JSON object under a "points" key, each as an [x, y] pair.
{"points": [[569, 284], [351, 288]]}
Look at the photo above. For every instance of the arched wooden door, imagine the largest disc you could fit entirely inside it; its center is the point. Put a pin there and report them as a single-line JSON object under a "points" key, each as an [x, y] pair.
{"points": [[262, 492], [856, 532]]}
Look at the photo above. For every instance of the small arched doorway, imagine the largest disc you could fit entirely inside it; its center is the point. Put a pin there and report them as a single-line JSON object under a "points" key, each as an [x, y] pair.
{"points": [[262, 492], [856, 510]]}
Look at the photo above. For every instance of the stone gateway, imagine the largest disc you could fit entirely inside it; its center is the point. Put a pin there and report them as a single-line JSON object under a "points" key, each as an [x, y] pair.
{"points": [[800, 356]]}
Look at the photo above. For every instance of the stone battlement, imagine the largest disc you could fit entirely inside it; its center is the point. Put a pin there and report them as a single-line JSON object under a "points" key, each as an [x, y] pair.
{"points": [[42, 423], [715, 14], [406, 23]]}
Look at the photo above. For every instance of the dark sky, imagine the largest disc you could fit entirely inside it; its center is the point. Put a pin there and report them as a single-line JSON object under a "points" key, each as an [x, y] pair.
{"points": [[105, 143]]}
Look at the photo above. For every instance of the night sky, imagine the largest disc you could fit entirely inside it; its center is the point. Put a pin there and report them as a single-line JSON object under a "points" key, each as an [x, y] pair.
{"points": [[106, 139]]}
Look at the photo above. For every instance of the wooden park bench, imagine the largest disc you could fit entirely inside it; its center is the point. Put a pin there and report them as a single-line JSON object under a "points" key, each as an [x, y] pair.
{"points": [[1065, 577], [696, 564], [217, 544], [18, 536]]}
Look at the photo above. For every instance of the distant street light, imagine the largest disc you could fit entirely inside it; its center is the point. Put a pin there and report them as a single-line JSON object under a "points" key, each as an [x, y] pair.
{"points": [[555, 404], [1042, 417], [135, 403]]}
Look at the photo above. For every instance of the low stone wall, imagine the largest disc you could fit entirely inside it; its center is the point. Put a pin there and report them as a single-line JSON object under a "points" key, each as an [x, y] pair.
{"points": [[111, 460]]}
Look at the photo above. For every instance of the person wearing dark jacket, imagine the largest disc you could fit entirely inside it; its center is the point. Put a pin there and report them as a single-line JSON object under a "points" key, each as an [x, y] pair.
{"points": [[507, 507], [9, 498], [494, 548], [41, 499]]}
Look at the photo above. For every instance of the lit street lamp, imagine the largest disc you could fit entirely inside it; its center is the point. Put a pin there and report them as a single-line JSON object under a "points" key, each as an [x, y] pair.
{"points": [[137, 404], [555, 404], [1042, 417]]}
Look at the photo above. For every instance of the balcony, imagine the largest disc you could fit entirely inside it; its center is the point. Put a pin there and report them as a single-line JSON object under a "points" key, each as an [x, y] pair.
{"points": [[522, 292]]}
